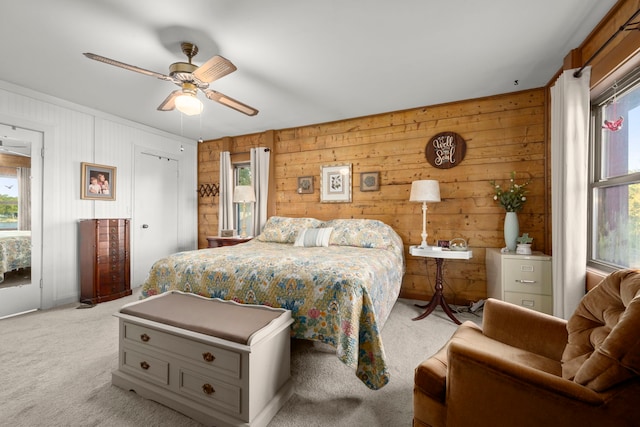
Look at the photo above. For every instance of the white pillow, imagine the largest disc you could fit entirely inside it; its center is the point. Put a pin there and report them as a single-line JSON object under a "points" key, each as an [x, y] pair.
{"points": [[310, 237]]}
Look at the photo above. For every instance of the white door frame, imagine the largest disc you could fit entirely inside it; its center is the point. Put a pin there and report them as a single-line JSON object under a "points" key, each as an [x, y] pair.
{"points": [[26, 298]]}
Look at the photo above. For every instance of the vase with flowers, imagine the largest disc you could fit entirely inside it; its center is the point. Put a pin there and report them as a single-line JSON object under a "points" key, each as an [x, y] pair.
{"points": [[512, 199]]}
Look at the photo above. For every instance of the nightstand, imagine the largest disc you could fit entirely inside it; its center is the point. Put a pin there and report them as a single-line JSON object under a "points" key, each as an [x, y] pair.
{"points": [[440, 254], [216, 241], [524, 280]]}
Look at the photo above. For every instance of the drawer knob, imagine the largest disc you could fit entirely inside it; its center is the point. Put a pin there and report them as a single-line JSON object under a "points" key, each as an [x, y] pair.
{"points": [[526, 281], [208, 357], [144, 365], [145, 337], [208, 388]]}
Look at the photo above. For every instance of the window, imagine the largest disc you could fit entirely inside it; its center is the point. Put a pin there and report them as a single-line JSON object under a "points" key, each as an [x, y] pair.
{"points": [[615, 177], [242, 176], [8, 202]]}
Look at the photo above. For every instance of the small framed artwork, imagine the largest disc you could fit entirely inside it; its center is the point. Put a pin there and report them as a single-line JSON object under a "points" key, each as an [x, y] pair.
{"points": [[305, 185], [98, 182], [335, 183], [370, 181]]}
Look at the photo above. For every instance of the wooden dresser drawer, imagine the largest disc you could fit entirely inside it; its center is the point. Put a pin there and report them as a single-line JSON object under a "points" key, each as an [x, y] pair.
{"points": [[114, 257], [210, 390], [527, 276], [145, 366], [207, 356]]}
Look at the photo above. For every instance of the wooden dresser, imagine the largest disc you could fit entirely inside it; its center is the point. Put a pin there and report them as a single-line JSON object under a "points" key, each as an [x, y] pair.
{"points": [[104, 260]]}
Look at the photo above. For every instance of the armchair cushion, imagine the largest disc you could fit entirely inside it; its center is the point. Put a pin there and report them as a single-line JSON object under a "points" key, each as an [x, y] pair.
{"points": [[431, 374], [603, 348]]}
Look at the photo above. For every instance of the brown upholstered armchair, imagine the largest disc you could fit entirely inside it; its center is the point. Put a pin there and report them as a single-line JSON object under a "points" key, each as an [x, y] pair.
{"points": [[525, 368]]}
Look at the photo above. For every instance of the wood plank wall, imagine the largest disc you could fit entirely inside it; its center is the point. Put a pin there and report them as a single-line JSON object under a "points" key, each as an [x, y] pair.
{"points": [[12, 161], [503, 133]]}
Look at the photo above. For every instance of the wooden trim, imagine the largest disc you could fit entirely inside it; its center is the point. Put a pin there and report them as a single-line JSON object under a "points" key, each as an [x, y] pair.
{"points": [[573, 60], [240, 157], [15, 161], [593, 278], [616, 63], [227, 144]]}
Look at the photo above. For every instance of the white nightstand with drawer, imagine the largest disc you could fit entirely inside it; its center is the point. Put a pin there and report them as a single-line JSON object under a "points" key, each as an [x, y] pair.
{"points": [[524, 280]]}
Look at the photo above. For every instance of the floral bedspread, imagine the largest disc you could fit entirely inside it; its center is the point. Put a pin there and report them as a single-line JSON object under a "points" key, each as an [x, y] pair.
{"points": [[339, 295], [15, 251]]}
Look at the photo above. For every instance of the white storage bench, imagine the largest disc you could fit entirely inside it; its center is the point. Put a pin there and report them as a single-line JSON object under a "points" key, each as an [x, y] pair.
{"points": [[218, 362]]}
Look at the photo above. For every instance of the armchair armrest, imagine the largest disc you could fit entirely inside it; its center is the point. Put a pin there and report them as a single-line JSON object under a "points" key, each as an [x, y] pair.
{"points": [[523, 328], [485, 390]]}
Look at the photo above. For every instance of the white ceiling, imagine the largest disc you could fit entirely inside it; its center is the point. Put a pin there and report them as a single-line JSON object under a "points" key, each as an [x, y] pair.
{"points": [[299, 62]]}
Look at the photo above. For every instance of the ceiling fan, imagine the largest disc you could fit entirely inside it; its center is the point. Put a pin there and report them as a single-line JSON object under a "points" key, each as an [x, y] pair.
{"points": [[190, 78]]}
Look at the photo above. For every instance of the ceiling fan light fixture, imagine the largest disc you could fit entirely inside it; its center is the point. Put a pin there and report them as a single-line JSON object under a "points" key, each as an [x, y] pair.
{"points": [[188, 104]]}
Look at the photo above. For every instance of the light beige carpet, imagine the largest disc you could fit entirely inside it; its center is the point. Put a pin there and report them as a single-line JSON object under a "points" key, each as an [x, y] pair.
{"points": [[55, 370]]}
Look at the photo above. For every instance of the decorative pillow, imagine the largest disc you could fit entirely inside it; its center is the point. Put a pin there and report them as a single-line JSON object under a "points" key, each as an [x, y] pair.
{"points": [[311, 237], [280, 229], [604, 344], [363, 233]]}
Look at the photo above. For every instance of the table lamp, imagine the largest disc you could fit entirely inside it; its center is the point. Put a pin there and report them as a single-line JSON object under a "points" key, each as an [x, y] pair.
{"points": [[424, 191], [243, 194]]}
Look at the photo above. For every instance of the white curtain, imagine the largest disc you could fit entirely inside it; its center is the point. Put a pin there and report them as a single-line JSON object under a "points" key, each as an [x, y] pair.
{"points": [[225, 208], [569, 189], [24, 198], [260, 158]]}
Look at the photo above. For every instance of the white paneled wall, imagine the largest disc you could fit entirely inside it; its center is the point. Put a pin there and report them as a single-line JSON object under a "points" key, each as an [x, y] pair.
{"points": [[75, 134]]}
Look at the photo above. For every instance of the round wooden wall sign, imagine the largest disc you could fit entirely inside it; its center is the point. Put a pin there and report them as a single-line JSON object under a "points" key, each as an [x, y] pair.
{"points": [[445, 150]]}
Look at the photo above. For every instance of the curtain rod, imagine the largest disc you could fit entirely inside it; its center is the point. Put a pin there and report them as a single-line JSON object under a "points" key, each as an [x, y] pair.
{"points": [[621, 29], [266, 150]]}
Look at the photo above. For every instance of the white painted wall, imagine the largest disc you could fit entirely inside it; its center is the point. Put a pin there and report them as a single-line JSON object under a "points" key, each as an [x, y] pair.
{"points": [[75, 134]]}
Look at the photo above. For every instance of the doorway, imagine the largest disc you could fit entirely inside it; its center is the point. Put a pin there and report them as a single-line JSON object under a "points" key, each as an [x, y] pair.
{"points": [[20, 220], [155, 221]]}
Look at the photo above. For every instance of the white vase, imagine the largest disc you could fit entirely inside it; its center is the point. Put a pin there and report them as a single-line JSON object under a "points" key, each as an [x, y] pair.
{"points": [[511, 230]]}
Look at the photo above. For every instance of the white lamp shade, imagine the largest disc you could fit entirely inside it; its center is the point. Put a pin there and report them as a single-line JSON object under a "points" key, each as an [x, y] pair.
{"points": [[244, 194], [427, 190], [188, 104]]}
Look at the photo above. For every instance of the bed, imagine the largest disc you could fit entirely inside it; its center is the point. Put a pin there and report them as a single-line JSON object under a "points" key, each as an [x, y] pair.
{"points": [[339, 278], [15, 251]]}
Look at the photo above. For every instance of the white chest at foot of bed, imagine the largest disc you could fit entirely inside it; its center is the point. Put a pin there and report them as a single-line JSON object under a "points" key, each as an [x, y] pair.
{"points": [[218, 362]]}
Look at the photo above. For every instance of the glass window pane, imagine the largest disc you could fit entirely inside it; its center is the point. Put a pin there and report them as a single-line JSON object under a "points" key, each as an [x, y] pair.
{"points": [[617, 225], [8, 203], [620, 149], [244, 175], [244, 211]]}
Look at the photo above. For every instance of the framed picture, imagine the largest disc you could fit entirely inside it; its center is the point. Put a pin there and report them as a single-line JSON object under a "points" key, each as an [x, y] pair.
{"points": [[335, 183], [98, 182], [370, 181], [305, 185]]}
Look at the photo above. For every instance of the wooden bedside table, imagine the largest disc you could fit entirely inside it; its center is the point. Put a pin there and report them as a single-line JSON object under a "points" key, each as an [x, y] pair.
{"points": [[438, 298], [216, 241]]}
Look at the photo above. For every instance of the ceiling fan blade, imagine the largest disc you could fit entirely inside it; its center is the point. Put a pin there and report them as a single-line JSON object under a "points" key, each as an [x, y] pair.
{"points": [[213, 69], [127, 66], [230, 102], [170, 101]]}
